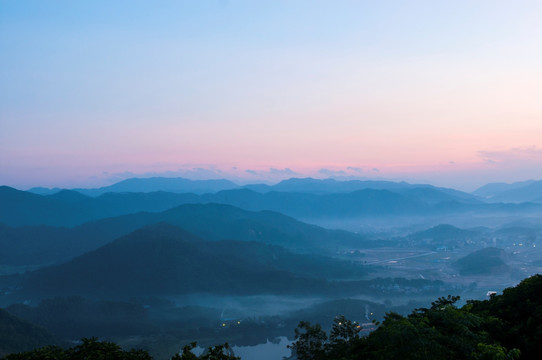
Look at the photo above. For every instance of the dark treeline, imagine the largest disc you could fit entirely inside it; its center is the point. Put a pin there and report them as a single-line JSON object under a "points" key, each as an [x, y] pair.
{"points": [[507, 326]]}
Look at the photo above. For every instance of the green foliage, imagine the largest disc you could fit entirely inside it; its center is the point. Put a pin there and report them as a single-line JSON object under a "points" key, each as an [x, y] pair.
{"points": [[515, 317], [441, 332], [50, 352], [92, 349], [442, 302], [495, 352], [187, 353], [89, 349], [506, 327], [217, 352], [313, 343], [343, 331], [310, 341]]}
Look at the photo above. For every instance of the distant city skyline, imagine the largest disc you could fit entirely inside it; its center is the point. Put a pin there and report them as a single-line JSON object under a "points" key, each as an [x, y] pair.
{"points": [[446, 93]]}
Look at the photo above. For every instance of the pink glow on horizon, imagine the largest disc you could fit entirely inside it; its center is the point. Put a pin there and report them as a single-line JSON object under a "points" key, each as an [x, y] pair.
{"points": [[297, 85]]}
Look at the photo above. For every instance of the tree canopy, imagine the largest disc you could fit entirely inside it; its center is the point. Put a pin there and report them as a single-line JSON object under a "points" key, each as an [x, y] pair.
{"points": [[505, 327]]}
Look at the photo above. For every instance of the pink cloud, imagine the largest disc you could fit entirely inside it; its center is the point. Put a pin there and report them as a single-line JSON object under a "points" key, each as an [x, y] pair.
{"points": [[527, 154]]}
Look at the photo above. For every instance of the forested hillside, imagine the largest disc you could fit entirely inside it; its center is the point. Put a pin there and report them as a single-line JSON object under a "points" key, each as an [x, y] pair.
{"points": [[507, 326]]}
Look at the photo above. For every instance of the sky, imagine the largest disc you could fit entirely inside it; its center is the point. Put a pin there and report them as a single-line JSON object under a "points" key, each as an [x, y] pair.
{"points": [[442, 92]]}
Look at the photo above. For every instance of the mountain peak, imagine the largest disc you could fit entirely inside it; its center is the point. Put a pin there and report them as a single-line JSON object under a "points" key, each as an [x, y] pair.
{"points": [[173, 185]]}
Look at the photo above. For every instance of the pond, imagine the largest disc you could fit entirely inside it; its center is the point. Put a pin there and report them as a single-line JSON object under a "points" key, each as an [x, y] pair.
{"points": [[270, 350]]}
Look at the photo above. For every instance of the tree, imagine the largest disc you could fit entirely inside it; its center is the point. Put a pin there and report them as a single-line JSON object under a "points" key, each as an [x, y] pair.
{"points": [[343, 331], [217, 352], [89, 349], [313, 343], [494, 352], [310, 341]]}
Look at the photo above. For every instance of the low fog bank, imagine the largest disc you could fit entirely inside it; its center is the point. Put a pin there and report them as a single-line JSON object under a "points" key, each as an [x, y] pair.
{"points": [[214, 273], [383, 227]]}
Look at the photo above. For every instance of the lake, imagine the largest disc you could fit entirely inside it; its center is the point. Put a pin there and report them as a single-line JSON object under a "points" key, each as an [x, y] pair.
{"points": [[270, 350]]}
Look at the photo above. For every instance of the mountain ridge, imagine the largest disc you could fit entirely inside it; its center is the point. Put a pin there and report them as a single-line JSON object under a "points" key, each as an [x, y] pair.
{"points": [[164, 259]]}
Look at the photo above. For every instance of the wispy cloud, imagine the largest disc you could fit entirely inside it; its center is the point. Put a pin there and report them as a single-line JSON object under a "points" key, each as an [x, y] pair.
{"points": [[332, 173], [355, 169], [270, 175], [522, 154], [273, 172], [285, 171], [252, 172], [195, 173]]}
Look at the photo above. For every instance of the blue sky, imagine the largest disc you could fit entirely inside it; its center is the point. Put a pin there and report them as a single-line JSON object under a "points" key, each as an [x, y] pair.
{"points": [[444, 92]]}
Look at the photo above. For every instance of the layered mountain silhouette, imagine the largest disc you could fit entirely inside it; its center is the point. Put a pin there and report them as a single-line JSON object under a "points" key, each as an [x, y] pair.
{"points": [[443, 235], [163, 259], [17, 335], [327, 186], [173, 185], [303, 185], [70, 208], [492, 189], [38, 245], [517, 192]]}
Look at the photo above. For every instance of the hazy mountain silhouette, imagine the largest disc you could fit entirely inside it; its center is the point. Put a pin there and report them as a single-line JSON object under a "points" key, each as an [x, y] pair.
{"points": [[326, 186], [518, 231], [162, 259], [17, 335], [363, 203], [529, 192], [520, 191], [70, 208], [173, 185], [69, 196], [44, 191], [330, 186], [300, 185], [23, 208], [492, 189], [487, 261], [444, 232], [443, 235], [38, 245], [306, 205], [434, 195]]}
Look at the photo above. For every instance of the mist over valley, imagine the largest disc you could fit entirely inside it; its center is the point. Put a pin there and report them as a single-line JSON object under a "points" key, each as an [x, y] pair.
{"points": [[244, 265], [277, 180]]}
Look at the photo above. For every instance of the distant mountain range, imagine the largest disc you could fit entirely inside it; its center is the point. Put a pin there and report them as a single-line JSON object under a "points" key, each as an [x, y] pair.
{"points": [[300, 185], [524, 191], [328, 186], [517, 192], [70, 208], [146, 185]]}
